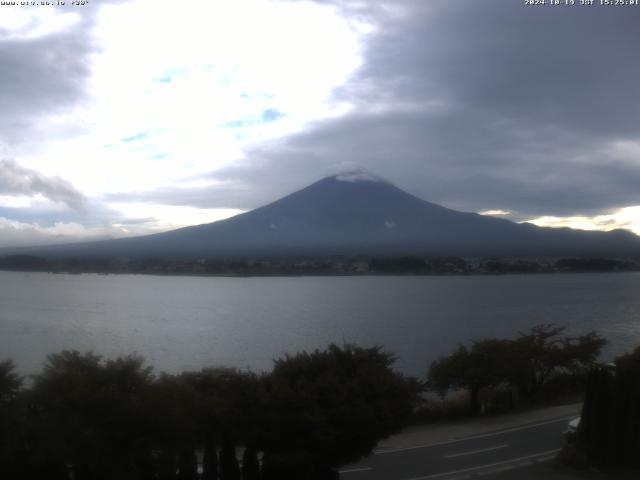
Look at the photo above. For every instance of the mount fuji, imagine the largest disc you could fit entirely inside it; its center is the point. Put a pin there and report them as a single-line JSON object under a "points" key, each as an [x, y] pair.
{"points": [[354, 214]]}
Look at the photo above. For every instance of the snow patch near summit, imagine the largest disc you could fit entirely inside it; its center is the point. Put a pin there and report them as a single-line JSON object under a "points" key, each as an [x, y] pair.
{"points": [[361, 176], [350, 172]]}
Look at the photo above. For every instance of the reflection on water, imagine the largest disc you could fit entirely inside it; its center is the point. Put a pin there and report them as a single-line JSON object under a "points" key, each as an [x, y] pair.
{"points": [[191, 322]]}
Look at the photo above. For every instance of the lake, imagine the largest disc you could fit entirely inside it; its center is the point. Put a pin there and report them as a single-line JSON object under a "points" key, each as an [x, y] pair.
{"points": [[180, 323]]}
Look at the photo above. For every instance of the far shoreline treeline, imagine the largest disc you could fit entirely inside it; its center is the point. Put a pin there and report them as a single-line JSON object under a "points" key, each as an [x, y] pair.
{"points": [[448, 265]]}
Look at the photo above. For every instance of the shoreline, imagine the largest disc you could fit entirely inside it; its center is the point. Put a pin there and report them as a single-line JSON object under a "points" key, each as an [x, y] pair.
{"points": [[323, 274]]}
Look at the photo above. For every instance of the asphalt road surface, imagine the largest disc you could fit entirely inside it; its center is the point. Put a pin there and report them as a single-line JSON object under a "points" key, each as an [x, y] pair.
{"points": [[480, 455]]}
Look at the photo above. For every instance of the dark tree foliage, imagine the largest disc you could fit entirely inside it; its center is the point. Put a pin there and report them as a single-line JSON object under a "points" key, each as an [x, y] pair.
{"points": [[173, 404], [10, 381], [609, 429], [93, 414], [250, 464], [187, 464], [229, 467], [542, 352], [24, 263], [526, 363], [520, 266], [398, 265], [229, 402], [11, 433], [328, 408], [87, 418], [448, 265], [167, 465], [485, 363], [595, 265], [209, 459]]}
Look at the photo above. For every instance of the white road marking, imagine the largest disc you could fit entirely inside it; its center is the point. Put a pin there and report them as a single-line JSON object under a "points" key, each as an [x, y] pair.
{"points": [[471, 452], [353, 470], [489, 465], [473, 437]]}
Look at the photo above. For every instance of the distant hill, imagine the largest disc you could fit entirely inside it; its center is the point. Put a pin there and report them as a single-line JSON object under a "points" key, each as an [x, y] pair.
{"points": [[354, 214]]}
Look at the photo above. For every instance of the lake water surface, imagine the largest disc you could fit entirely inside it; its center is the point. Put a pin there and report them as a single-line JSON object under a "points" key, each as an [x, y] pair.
{"points": [[191, 322]]}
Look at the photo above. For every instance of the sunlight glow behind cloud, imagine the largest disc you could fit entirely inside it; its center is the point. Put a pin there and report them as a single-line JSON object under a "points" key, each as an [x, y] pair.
{"points": [[184, 74], [627, 218], [178, 91], [495, 213]]}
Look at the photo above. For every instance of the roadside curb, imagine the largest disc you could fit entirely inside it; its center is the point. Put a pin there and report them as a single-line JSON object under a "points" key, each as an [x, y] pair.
{"points": [[442, 434]]}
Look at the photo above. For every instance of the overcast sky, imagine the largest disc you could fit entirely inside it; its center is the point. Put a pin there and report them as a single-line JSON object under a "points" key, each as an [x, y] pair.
{"points": [[129, 117]]}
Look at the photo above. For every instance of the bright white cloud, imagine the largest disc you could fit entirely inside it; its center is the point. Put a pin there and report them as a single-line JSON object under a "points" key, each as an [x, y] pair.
{"points": [[126, 219], [29, 22], [179, 89], [17, 234], [9, 201], [164, 217], [495, 213], [627, 218]]}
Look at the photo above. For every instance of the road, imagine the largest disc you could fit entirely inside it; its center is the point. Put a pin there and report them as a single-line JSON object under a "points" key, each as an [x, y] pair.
{"points": [[484, 454]]}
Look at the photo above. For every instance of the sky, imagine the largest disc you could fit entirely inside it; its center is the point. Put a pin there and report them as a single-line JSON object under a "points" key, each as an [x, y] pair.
{"points": [[128, 117]]}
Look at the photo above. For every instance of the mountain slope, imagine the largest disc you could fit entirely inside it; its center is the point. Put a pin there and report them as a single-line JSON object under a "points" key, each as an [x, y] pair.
{"points": [[356, 215]]}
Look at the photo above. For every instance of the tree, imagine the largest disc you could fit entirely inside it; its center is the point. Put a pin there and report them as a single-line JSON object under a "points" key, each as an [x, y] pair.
{"points": [[187, 464], [92, 414], [229, 407], [542, 352], [10, 381], [250, 464], [173, 403], [229, 468], [11, 432], [209, 459], [486, 363], [94, 419], [527, 362], [328, 408]]}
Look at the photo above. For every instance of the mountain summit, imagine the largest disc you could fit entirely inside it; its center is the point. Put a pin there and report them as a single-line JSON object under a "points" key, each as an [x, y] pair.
{"points": [[356, 174], [356, 213]]}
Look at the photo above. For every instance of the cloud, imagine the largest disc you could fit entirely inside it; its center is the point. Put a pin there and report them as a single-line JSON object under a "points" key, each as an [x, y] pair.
{"points": [[479, 106], [627, 218], [42, 76], [20, 234], [46, 62], [495, 213], [210, 195], [19, 181]]}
